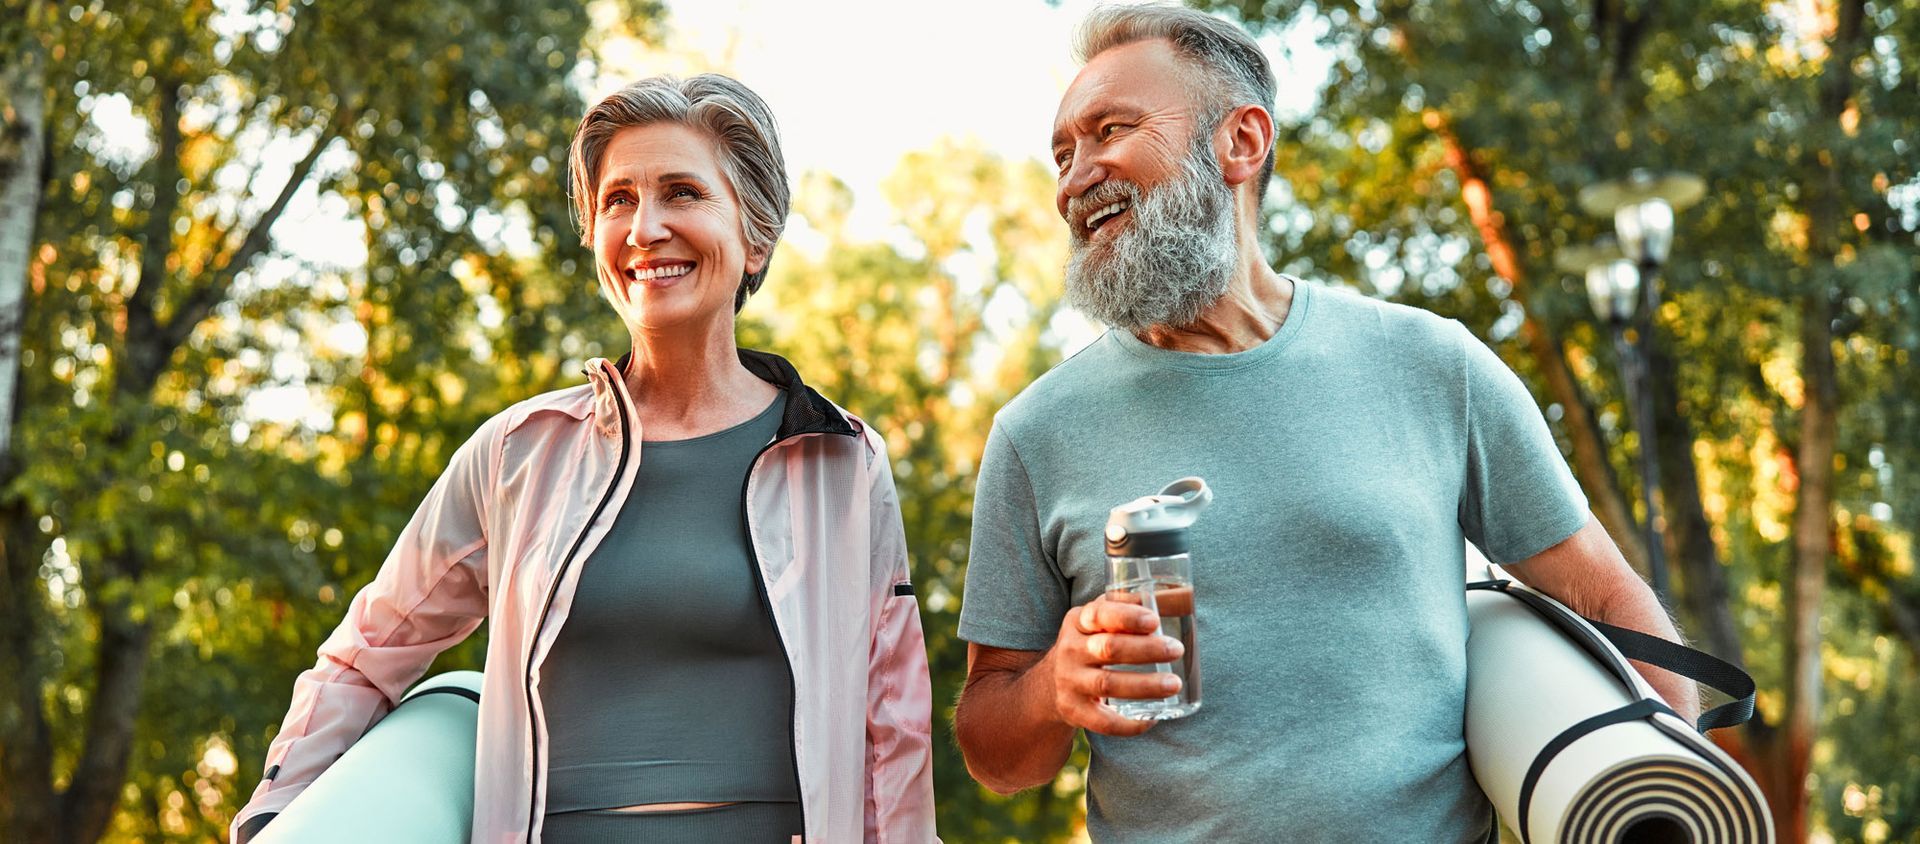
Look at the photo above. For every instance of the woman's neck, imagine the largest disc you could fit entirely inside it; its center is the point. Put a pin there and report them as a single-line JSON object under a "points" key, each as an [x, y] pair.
{"points": [[692, 386]]}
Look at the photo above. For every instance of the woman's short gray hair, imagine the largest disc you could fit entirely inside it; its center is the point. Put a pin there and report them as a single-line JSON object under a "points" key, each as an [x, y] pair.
{"points": [[730, 113], [1230, 69]]}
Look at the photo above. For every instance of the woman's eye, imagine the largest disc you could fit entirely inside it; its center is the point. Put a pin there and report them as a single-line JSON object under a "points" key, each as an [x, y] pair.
{"points": [[617, 199], [683, 192]]}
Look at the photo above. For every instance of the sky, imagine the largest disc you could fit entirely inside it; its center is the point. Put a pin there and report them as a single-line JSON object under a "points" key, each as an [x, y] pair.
{"points": [[856, 84]]}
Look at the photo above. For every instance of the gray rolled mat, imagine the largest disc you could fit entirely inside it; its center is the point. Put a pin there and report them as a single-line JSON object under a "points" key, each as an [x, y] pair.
{"points": [[1551, 700], [410, 778]]}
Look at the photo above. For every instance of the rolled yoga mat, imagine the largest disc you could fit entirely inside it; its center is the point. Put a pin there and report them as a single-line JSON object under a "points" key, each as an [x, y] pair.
{"points": [[1572, 745], [410, 778]]}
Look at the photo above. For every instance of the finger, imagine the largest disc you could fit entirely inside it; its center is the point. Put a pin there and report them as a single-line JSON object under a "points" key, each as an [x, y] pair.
{"points": [[1109, 616], [1098, 684], [1133, 648], [1101, 719]]}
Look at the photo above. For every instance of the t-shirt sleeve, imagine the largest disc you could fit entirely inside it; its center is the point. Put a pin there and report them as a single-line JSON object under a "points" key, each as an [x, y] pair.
{"points": [[1519, 498], [1015, 596]]}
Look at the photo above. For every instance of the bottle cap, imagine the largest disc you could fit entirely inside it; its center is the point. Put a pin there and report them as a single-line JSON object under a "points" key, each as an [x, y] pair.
{"points": [[1156, 525]]}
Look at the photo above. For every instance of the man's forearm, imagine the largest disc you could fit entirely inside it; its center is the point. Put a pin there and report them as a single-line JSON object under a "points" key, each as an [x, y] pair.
{"points": [[1587, 573], [1009, 733], [1635, 608]]}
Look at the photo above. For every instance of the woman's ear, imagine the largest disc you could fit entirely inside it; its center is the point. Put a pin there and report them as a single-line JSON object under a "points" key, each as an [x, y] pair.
{"points": [[756, 260], [1249, 136]]}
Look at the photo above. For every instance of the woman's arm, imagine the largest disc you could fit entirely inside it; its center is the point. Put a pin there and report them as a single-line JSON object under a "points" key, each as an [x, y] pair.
{"points": [[429, 595], [899, 798]]}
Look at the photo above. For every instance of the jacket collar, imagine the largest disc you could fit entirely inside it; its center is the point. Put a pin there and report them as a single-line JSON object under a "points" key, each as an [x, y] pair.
{"points": [[807, 412]]}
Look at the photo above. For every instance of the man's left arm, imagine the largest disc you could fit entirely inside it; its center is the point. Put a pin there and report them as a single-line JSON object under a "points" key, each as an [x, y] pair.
{"points": [[1587, 573]]}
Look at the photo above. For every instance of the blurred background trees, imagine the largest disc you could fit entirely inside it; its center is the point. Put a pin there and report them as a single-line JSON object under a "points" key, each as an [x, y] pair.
{"points": [[211, 428]]}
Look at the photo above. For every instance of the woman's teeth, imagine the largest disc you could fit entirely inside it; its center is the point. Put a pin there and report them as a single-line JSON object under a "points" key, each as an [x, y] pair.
{"points": [[651, 273]]}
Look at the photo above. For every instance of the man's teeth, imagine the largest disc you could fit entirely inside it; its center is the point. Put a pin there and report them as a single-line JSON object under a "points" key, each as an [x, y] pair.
{"points": [[1101, 215], [651, 273]]}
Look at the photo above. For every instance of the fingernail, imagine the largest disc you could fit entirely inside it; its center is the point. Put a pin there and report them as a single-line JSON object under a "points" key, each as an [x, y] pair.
{"points": [[1170, 684], [1175, 649]]}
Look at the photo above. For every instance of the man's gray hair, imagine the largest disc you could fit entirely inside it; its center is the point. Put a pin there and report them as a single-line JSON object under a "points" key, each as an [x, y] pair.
{"points": [[742, 129], [1230, 69]]}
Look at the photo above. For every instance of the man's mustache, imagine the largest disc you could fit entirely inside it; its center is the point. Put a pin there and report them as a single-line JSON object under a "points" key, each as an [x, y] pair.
{"points": [[1097, 197]]}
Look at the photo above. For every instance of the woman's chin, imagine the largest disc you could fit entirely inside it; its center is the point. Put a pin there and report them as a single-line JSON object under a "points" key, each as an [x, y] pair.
{"points": [[658, 316]]}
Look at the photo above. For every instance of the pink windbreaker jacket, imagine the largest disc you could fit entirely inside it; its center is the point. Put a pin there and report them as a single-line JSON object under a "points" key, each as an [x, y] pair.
{"points": [[502, 536]]}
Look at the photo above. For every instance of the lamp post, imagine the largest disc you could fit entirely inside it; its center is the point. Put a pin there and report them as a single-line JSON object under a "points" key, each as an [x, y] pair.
{"points": [[1642, 207]]}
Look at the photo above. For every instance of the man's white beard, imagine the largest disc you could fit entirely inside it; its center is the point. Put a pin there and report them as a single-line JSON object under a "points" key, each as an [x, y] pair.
{"points": [[1173, 259]]}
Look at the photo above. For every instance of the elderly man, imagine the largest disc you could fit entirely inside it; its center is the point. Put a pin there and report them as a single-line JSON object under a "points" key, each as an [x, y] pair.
{"points": [[1352, 446]]}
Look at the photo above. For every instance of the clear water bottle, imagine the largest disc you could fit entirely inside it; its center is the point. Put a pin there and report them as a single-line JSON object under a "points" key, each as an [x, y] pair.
{"points": [[1148, 564]]}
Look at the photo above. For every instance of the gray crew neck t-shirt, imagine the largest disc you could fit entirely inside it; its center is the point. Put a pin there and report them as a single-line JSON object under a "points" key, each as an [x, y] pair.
{"points": [[668, 683], [1350, 455]]}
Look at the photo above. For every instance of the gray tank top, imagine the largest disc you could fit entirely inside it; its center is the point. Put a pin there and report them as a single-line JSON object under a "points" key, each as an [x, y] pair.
{"points": [[667, 683]]}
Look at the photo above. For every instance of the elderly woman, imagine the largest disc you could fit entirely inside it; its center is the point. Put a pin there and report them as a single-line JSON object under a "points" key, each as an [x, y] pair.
{"points": [[702, 624]]}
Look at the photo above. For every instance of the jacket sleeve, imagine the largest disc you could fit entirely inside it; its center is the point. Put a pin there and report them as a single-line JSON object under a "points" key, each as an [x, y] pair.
{"points": [[430, 594], [899, 798]]}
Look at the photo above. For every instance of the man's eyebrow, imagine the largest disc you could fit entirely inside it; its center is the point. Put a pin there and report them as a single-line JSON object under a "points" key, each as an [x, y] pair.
{"points": [[1094, 119]]}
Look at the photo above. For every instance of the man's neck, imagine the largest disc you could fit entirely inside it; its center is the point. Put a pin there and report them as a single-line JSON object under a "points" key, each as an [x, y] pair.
{"points": [[1252, 310]]}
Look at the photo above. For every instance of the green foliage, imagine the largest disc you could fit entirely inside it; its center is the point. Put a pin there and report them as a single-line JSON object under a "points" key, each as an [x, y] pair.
{"points": [[233, 490]]}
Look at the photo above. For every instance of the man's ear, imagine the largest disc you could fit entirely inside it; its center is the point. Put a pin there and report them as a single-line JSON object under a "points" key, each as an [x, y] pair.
{"points": [[1249, 135]]}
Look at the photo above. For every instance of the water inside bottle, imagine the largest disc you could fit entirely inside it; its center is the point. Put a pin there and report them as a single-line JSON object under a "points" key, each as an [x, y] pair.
{"points": [[1172, 598]]}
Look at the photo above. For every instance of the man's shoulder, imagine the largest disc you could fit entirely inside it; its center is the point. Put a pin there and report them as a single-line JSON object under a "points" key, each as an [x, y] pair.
{"points": [[1352, 313], [1068, 389]]}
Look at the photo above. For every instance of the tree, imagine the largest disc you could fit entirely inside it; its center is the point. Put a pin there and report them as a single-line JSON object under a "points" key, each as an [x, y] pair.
{"points": [[157, 526]]}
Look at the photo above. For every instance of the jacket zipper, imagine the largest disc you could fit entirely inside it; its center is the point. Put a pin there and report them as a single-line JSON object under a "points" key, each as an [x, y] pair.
{"points": [[626, 444], [766, 603]]}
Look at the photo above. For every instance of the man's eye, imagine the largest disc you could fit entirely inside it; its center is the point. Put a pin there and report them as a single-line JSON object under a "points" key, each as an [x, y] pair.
{"points": [[1108, 130]]}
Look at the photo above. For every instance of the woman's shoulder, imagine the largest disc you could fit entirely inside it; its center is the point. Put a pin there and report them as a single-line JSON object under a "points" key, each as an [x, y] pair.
{"points": [[874, 445], [567, 407]]}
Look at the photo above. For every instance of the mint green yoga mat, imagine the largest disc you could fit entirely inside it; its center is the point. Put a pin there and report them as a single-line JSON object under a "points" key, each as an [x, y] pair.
{"points": [[410, 778]]}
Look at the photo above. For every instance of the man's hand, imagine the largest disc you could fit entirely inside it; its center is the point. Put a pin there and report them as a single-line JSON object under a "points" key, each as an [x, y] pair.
{"points": [[1109, 631], [1017, 716]]}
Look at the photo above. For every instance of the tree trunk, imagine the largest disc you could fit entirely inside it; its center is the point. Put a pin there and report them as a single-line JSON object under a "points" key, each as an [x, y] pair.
{"points": [[1791, 752], [1703, 593], [22, 151], [26, 742], [88, 804], [1590, 465]]}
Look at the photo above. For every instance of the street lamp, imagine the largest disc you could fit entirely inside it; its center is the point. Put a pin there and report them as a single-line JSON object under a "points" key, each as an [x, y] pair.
{"points": [[1642, 207], [1613, 286]]}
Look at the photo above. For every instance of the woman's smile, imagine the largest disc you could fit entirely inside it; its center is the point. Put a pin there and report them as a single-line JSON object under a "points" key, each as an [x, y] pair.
{"points": [[659, 274]]}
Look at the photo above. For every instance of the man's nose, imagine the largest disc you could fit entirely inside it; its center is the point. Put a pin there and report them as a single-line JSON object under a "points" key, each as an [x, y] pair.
{"points": [[1080, 177]]}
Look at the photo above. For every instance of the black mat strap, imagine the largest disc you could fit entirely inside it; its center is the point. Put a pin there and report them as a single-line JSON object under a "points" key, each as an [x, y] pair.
{"points": [[1699, 666], [1634, 711]]}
